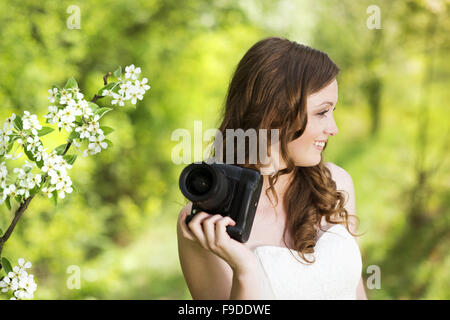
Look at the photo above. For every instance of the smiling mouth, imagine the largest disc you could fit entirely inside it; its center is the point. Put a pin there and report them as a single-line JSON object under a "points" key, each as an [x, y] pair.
{"points": [[319, 145]]}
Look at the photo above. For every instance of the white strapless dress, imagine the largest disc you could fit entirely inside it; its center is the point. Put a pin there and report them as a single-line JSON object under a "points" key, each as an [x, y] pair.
{"points": [[335, 274]]}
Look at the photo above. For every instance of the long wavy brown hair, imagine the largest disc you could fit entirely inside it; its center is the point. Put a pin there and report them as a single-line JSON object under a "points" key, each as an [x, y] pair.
{"points": [[268, 90]]}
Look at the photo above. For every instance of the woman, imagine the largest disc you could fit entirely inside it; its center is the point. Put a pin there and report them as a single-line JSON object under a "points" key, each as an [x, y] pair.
{"points": [[301, 245]]}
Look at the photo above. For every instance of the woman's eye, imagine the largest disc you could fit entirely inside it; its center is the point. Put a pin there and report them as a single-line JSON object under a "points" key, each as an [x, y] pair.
{"points": [[323, 112]]}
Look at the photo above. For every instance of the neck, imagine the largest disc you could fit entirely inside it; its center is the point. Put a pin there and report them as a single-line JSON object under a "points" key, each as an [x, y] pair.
{"points": [[280, 188]]}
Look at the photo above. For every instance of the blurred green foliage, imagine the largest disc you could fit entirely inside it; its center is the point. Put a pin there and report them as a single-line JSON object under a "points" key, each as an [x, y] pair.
{"points": [[120, 225]]}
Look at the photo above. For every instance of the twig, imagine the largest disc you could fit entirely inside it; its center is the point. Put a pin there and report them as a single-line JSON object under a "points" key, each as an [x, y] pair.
{"points": [[105, 82]]}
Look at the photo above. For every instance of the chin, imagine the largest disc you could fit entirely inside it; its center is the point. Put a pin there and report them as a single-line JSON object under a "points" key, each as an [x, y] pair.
{"points": [[311, 162]]}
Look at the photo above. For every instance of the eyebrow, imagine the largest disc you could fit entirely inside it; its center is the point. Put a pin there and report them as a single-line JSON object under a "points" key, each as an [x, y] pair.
{"points": [[325, 102]]}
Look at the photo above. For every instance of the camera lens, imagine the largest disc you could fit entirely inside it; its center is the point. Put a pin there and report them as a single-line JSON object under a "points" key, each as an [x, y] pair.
{"points": [[205, 184], [199, 182]]}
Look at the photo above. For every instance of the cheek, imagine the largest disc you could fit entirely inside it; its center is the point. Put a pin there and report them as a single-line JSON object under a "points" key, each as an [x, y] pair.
{"points": [[311, 133], [303, 143], [300, 145]]}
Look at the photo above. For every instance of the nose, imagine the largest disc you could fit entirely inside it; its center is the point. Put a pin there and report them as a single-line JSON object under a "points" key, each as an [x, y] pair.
{"points": [[332, 128]]}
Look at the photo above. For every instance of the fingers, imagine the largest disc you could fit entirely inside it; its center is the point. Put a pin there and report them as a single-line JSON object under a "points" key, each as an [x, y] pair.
{"points": [[195, 225], [210, 230], [183, 226], [221, 230]]}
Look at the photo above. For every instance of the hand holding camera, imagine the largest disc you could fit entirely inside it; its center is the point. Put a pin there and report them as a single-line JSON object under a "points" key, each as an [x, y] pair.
{"points": [[227, 190], [209, 231]]}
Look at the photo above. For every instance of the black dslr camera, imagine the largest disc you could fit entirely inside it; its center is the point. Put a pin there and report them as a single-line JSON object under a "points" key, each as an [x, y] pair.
{"points": [[225, 189]]}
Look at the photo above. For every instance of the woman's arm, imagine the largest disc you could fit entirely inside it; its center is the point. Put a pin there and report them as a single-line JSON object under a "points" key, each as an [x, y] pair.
{"points": [[344, 182], [233, 274], [246, 284], [207, 276], [360, 293]]}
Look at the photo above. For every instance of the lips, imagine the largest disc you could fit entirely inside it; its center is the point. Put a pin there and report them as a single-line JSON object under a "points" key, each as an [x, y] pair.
{"points": [[319, 145]]}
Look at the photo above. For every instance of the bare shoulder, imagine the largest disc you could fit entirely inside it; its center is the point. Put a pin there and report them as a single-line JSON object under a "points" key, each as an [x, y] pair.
{"points": [[344, 183], [342, 178]]}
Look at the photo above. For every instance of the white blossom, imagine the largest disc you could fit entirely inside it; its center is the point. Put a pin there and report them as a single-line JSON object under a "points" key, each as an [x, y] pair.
{"points": [[96, 143], [125, 89], [13, 156], [52, 115], [48, 191], [3, 175], [9, 123], [33, 143], [76, 94], [94, 124], [87, 112], [4, 135], [30, 122], [9, 191], [131, 72], [118, 99], [40, 154], [135, 94], [77, 107], [84, 131], [65, 188], [65, 96], [52, 95], [19, 282], [142, 85]]}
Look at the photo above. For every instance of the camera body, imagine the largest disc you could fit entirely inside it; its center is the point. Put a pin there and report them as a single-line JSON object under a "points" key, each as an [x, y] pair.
{"points": [[225, 189]]}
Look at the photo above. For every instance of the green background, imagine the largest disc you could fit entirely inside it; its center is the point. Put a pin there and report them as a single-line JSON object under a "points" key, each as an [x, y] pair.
{"points": [[119, 227]]}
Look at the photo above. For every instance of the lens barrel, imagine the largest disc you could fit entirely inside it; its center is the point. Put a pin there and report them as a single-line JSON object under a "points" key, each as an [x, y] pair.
{"points": [[205, 184]]}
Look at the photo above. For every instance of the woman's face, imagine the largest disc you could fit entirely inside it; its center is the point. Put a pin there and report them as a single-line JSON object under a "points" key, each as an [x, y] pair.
{"points": [[320, 126]]}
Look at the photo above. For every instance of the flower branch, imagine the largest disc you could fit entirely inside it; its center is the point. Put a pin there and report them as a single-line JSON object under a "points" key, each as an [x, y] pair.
{"points": [[81, 119]]}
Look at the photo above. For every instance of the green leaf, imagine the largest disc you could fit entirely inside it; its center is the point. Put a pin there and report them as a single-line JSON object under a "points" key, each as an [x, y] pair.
{"points": [[35, 190], [71, 83], [118, 72], [18, 123], [74, 135], [44, 131], [28, 153], [8, 203], [54, 198], [93, 106], [101, 112], [110, 144], [6, 265], [60, 149], [109, 86], [40, 163], [106, 130], [116, 88], [70, 158], [1, 232], [10, 146]]}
